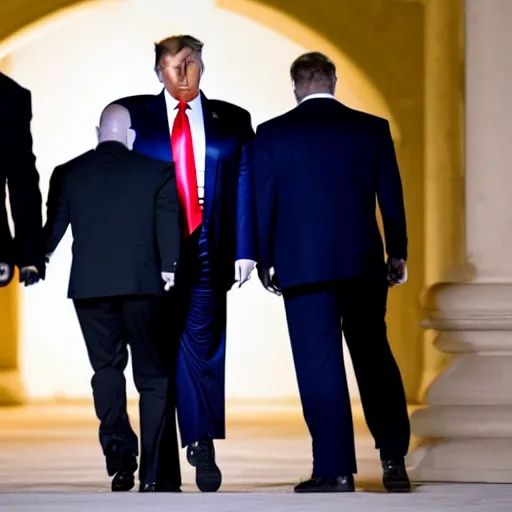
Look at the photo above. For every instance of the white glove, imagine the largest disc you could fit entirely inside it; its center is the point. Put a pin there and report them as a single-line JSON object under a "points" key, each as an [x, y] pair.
{"points": [[168, 278], [243, 271]]}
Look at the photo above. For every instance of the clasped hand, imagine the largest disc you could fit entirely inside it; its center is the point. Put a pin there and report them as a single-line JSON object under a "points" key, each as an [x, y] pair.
{"points": [[29, 275]]}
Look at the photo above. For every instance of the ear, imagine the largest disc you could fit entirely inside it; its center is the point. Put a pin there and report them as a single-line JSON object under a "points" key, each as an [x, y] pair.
{"points": [[160, 75], [98, 132], [130, 138]]}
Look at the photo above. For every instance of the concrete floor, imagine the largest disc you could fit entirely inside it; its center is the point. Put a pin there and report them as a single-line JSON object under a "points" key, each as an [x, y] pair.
{"points": [[50, 461]]}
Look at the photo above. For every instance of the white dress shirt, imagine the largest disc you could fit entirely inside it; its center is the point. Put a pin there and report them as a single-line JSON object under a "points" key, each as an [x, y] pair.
{"points": [[318, 95], [195, 117]]}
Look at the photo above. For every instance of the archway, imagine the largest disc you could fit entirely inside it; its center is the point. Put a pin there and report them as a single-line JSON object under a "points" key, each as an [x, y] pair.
{"points": [[352, 80]]}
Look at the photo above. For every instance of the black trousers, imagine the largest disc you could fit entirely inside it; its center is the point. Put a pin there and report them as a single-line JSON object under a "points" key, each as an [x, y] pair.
{"points": [[108, 325], [317, 315]]}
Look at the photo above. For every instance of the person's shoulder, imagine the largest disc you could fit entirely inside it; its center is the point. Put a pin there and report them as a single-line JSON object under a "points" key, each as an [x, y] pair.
{"points": [[68, 170], [277, 122], [78, 161], [366, 119], [149, 163], [229, 110], [10, 88], [8, 84]]}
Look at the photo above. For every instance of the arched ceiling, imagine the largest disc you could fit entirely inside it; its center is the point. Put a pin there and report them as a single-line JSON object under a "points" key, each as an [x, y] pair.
{"points": [[382, 38]]}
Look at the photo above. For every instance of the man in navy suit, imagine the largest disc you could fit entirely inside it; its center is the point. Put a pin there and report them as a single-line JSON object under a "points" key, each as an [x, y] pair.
{"points": [[318, 171], [210, 143]]}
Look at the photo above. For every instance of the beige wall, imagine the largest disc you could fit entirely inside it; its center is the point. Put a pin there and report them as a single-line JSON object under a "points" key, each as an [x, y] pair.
{"points": [[382, 44], [66, 103]]}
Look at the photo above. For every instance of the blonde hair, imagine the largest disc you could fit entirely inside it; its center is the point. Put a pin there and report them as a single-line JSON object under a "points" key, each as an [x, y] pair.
{"points": [[174, 44]]}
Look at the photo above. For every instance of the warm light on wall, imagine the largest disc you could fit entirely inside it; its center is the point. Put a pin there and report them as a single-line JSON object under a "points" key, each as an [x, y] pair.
{"points": [[76, 64]]}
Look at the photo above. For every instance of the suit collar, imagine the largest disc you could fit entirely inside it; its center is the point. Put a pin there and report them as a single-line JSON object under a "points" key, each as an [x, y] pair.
{"points": [[318, 96], [111, 145], [173, 102]]}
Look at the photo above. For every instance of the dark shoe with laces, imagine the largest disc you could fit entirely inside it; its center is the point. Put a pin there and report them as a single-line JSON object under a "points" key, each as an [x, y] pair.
{"points": [[334, 484], [201, 455], [395, 477]]}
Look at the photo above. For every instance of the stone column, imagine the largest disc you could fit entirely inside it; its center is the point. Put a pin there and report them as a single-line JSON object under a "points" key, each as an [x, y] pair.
{"points": [[467, 426], [443, 135], [11, 389]]}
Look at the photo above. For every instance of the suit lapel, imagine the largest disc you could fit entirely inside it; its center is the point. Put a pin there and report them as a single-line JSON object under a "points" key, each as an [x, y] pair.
{"points": [[212, 151]]}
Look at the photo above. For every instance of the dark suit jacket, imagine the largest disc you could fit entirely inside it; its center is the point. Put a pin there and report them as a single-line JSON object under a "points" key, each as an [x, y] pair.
{"points": [[17, 167], [228, 173], [318, 172], [123, 213]]}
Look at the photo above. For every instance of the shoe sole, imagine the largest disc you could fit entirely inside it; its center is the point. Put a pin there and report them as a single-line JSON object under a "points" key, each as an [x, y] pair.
{"points": [[397, 487], [208, 478], [128, 486], [323, 490]]}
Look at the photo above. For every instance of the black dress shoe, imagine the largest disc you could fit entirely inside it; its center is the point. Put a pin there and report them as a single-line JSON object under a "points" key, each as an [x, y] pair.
{"points": [[201, 455], [395, 477], [335, 484], [159, 488], [124, 479]]}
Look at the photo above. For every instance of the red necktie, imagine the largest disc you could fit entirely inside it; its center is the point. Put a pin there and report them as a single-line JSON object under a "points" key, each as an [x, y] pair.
{"points": [[186, 177]]}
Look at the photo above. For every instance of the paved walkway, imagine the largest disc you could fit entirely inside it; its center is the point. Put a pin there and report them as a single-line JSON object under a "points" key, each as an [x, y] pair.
{"points": [[50, 461]]}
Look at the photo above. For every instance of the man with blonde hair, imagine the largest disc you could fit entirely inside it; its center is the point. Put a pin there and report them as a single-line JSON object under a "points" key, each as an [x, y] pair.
{"points": [[210, 142]]}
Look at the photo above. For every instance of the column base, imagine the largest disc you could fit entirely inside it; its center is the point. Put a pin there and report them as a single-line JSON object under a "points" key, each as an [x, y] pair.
{"points": [[11, 388], [466, 428], [462, 460]]}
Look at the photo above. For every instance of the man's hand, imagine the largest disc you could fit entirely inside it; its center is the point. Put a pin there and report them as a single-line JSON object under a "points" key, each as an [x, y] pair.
{"points": [[243, 271], [168, 278], [5, 274], [29, 275], [397, 271], [268, 279]]}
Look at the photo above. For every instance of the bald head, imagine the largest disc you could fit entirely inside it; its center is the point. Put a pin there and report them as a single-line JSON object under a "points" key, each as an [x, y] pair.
{"points": [[115, 125]]}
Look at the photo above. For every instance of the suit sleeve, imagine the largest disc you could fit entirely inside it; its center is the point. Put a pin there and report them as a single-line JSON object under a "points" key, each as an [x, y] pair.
{"points": [[245, 209], [266, 197], [57, 208], [23, 184], [167, 220], [390, 197]]}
